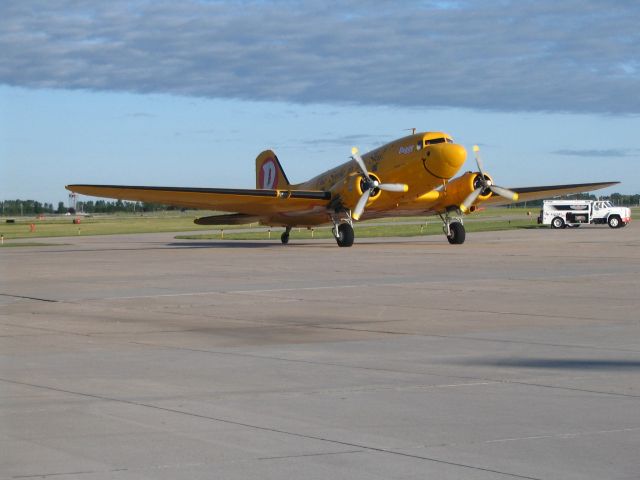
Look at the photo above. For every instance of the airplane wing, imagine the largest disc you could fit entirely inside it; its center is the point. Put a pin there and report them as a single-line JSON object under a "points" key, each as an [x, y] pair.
{"points": [[247, 201], [526, 194]]}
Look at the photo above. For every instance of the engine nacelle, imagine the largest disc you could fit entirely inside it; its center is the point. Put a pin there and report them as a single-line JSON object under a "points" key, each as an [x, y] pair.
{"points": [[460, 188], [350, 189]]}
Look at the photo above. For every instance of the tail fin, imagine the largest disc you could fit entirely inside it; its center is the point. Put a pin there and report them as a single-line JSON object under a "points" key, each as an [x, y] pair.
{"points": [[269, 173]]}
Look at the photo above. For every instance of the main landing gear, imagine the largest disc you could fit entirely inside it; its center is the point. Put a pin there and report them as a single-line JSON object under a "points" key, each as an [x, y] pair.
{"points": [[343, 228], [453, 229], [284, 238]]}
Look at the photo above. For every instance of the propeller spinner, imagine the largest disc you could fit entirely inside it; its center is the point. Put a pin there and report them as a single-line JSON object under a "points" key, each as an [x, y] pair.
{"points": [[485, 183], [370, 185]]}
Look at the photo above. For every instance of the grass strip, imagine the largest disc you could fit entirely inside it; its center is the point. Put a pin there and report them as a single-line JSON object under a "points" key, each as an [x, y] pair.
{"points": [[28, 244], [364, 231]]}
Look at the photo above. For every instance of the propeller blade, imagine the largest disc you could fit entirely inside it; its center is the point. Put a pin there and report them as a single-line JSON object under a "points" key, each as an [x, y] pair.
{"points": [[504, 192], [476, 151], [472, 197], [357, 212], [394, 187], [358, 159]]}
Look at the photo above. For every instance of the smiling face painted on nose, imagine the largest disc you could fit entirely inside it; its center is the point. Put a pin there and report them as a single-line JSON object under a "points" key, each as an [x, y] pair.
{"points": [[443, 160]]}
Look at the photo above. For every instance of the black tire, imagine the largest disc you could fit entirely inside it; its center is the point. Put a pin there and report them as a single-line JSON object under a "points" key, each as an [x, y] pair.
{"points": [[284, 238], [557, 222], [574, 225], [345, 235], [457, 233], [614, 221]]}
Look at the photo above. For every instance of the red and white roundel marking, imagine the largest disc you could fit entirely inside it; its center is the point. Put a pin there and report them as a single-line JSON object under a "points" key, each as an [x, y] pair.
{"points": [[269, 174]]}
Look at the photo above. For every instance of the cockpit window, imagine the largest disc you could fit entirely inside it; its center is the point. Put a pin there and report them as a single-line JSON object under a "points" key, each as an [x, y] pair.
{"points": [[433, 141], [419, 145]]}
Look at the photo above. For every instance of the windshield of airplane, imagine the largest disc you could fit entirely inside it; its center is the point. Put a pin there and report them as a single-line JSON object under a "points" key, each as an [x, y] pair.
{"points": [[433, 141]]}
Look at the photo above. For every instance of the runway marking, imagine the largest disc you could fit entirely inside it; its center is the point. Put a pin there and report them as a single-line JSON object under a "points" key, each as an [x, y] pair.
{"points": [[463, 337], [45, 475], [271, 429], [564, 435], [399, 284], [229, 292], [319, 454]]}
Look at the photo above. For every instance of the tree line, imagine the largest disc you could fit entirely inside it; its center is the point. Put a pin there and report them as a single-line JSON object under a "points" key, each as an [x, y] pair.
{"points": [[33, 207], [617, 199]]}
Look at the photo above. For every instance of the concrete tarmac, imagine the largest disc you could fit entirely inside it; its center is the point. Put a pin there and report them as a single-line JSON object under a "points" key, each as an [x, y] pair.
{"points": [[515, 355]]}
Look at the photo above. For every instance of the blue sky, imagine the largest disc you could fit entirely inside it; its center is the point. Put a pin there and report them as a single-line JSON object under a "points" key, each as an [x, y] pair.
{"points": [[187, 94]]}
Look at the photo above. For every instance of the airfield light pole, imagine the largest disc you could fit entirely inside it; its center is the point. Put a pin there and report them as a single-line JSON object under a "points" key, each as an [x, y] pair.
{"points": [[73, 199]]}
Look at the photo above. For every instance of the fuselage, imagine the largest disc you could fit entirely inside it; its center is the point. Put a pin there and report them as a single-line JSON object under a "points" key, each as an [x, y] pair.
{"points": [[422, 161]]}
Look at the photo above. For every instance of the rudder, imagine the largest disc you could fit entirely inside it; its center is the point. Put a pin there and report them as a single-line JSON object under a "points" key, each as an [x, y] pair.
{"points": [[269, 172]]}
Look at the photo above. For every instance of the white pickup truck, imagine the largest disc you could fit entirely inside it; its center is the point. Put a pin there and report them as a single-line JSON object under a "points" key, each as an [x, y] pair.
{"points": [[573, 213]]}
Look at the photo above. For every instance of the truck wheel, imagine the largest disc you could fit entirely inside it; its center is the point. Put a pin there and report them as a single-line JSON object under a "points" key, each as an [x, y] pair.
{"points": [[557, 222], [614, 221]]}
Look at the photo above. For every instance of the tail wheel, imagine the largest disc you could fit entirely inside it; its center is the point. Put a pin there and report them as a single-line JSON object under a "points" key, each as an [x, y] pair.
{"points": [[457, 233], [614, 221], [345, 235], [557, 223]]}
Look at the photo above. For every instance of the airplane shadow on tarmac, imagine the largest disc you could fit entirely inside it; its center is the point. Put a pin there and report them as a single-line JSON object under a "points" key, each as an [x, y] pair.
{"points": [[220, 244], [556, 363]]}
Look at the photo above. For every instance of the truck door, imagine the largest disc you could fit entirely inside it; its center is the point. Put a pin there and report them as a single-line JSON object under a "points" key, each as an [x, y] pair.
{"points": [[597, 207]]}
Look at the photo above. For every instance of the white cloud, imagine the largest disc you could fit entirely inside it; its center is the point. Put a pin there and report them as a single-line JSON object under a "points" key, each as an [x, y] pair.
{"points": [[544, 55]]}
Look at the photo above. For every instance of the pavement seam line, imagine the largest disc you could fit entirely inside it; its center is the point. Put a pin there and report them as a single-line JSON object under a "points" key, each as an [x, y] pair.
{"points": [[271, 429], [29, 298], [477, 379]]}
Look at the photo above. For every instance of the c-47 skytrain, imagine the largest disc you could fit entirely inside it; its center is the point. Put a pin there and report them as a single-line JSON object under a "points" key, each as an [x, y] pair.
{"points": [[411, 176]]}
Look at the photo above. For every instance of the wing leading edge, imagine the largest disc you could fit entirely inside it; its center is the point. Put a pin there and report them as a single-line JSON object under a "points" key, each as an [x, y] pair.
{"points": [[526, 194], [247, 201]]}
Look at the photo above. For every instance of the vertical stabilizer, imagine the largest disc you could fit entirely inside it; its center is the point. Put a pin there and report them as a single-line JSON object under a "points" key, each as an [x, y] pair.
{"points": [[269, 173]]}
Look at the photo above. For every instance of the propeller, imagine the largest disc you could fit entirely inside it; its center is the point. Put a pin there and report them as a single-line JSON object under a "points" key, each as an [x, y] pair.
{"points": [[371, 185], [485, 184]]}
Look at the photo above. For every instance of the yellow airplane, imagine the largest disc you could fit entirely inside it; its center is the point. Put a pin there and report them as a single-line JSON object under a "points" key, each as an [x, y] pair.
{"points": [[410, 176]]}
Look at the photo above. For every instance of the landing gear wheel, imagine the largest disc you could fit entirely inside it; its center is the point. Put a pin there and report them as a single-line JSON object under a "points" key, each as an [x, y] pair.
{"points": [[614, 221], [456, 233], [345, 235], [557, 222], [284, 238]]}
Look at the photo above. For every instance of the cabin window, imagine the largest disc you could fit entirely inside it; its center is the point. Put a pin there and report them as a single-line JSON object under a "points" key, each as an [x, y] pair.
{"points": [[419, 145]]}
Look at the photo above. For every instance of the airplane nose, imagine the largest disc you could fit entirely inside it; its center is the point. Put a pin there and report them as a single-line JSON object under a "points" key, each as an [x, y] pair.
{"points": [[443, 160]]}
